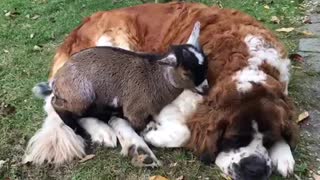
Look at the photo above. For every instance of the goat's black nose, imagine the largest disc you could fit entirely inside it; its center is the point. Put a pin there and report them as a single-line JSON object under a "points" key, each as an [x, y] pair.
{"points": [[253, 167]]}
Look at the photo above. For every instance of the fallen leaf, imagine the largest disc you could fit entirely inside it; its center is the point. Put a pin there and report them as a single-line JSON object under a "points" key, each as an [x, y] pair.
{"points": [[296, 67], [173, 164], [11, 14], [303, 116], [226, 177], [307, 33], [180, 178], [31, 35], [307, 20], [157, 178], [275, 19], [296, 58], [87, 158], [289, 29], [36, 48], [2, 163], [7, 14], [35, 17], [266, 7]]}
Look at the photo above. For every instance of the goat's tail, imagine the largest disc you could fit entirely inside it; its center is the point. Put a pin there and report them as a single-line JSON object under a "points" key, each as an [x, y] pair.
{"points": [[55, 142], [42, 90]]}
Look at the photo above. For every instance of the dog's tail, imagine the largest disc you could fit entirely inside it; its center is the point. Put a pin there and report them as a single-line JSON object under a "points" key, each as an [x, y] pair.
{"points": [[55, 142], [42, 90]]}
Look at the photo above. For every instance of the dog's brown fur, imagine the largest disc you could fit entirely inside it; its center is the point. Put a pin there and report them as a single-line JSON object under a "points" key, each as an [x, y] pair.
{"points": [[222, 38]]}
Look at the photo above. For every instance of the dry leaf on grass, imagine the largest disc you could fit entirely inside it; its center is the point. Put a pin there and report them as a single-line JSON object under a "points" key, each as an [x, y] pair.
{"points": [[307, 33], [307, 20], [303, 116], [180, 178], [157, 178], [275, 19], [2, 163], [35, 17], [287, 30], [87, 158], [36, 48], [226, 177], [296, 58], [266, 7]]}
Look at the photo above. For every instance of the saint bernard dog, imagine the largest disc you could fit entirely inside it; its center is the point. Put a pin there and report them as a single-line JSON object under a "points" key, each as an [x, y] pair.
{"points": [[244, 124]]}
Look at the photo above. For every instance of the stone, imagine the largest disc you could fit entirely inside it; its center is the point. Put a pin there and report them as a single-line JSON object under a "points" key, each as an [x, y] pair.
{"points": [[309, 45], [311, 61], [315, 18], [313, 28]]}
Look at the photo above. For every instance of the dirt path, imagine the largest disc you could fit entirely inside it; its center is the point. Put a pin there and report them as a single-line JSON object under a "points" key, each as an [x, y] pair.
{"points": [[309, 83]]}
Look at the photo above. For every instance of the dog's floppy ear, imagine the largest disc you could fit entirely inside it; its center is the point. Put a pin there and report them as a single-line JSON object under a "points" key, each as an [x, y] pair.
{"points": [[212, 140]]}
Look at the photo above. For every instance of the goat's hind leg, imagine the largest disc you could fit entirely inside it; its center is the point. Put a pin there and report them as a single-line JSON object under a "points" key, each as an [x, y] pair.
{"points": [[73, 122], [133, 145]]}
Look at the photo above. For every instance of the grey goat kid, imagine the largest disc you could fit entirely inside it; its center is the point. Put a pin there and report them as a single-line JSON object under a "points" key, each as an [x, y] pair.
{"points": [[100, 81]]}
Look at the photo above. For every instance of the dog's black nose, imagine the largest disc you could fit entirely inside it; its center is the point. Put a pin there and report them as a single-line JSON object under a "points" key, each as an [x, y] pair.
{"points": [[253, 168]]}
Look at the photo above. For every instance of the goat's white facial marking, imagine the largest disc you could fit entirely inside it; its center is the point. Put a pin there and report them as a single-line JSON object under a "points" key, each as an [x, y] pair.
{"points": [[99, 131], [198, 55], [282, 158], [263, 52], [170, 129], [229, 162], [203, 86]]}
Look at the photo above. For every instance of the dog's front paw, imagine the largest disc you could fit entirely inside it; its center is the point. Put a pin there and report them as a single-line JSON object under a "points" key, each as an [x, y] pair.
{"points": [[282, 158]]}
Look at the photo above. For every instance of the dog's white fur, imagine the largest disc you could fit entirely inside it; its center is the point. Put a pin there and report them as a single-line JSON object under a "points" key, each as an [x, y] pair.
{"points": [[226, 160], [55, 142], [99, 131], [170, 129], [282, 158], [263, 52]]}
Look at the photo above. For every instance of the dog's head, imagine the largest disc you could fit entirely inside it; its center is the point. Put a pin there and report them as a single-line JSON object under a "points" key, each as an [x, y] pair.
{"points": [[236, 130]]}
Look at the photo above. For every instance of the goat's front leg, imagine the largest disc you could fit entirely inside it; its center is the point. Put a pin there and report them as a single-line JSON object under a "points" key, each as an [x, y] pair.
{"points": [[133, 145]]}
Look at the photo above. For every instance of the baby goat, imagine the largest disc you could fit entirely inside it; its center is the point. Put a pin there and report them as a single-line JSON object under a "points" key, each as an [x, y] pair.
{"points": [[108, 79]]}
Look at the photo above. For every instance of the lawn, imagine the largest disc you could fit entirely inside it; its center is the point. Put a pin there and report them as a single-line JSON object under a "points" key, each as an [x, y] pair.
{"points": [[31, 30]]}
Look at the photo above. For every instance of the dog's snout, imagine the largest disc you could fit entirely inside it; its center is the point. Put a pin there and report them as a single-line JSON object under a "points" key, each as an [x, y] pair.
{"points": [[253, 167]]}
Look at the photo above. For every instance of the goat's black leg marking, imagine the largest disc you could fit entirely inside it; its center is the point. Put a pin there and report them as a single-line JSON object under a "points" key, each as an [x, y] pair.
{"points": [[72, 121]]}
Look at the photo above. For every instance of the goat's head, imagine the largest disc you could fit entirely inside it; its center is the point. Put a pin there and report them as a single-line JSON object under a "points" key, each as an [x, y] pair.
{"points": [[187, 64]]}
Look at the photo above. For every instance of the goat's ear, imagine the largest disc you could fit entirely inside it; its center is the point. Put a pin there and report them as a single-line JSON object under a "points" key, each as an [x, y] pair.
{"points": [[194, 36], [170, 60]]}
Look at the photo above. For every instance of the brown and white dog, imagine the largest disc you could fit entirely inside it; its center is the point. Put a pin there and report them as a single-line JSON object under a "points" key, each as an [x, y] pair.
{"points": [[244, 125]]}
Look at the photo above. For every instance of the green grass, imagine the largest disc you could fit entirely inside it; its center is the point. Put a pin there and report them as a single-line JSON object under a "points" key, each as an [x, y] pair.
{"points": [[22, 66]]}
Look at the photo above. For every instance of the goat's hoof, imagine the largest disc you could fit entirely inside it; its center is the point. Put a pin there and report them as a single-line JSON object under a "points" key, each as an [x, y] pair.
{"points": [[140, 157]]}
